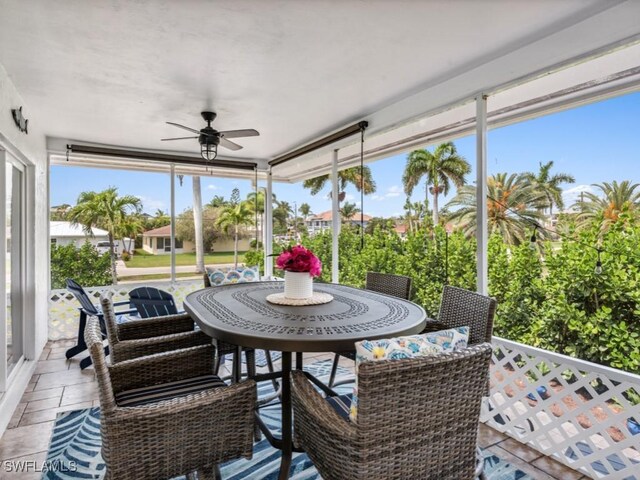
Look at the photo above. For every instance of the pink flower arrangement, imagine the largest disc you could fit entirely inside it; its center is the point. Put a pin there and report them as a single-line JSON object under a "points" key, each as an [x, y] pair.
{"points": [[299, 259]]}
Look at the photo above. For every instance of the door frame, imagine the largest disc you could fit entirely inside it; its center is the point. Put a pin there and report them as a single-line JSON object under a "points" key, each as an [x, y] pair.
{"points": [[26, 265]]}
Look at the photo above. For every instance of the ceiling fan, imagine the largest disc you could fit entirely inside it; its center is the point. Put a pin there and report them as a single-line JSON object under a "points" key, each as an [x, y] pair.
{"points": [[209, 138]]}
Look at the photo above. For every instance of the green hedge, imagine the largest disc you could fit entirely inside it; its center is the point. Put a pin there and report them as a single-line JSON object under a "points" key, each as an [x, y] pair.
{"points": [[550, 297], [85, 265]]}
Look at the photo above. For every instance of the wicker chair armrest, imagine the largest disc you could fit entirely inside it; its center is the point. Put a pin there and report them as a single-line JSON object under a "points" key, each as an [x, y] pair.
{"points": [[314, 411], [155, 326], [162, 368], [129, 349], [212, 426], [223, 398]]}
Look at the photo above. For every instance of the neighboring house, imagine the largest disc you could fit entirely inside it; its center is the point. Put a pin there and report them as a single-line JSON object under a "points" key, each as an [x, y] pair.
{"points": [[322, 221], [401, 230], [158, 242], [65, 233]]}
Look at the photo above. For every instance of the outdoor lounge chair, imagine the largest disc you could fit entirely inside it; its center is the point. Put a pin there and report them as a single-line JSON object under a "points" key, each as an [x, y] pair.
{"points": [[394, 285], [168, 414], [88, 309], [152, 302], [417, 418], [147, 336]]}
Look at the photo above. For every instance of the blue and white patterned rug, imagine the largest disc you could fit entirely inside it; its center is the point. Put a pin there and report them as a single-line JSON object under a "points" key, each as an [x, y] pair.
{"points": [[76, 438]]}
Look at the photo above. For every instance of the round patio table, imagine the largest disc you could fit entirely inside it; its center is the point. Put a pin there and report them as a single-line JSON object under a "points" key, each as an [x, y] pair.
{"points": [[240, 314]]}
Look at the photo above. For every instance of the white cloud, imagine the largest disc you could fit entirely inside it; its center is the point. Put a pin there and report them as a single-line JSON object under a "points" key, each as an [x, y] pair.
{"points": [[394, 191], [572, 195], [348, 197], [212, 187], [152, 204]]}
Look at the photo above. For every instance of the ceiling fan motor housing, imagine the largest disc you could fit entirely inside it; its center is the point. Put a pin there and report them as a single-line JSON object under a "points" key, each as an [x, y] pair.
{"points": [[209, 136]]}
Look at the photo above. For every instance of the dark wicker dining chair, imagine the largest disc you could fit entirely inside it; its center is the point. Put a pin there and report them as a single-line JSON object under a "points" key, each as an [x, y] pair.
{"points": [[417, 418], [387, 283], [138, 337], [168, 414], [460, 307], [224, 348]]}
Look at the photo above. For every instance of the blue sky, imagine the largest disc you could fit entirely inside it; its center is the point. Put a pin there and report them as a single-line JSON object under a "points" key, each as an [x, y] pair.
{"points": [[594, 143]]}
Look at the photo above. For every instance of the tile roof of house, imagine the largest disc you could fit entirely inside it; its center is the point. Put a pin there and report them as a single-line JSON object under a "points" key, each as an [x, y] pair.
{"points": [[158, 232]]}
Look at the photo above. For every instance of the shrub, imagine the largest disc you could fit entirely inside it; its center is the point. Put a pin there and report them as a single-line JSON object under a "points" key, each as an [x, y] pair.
{"points": [[255, 257], [85, 265]]}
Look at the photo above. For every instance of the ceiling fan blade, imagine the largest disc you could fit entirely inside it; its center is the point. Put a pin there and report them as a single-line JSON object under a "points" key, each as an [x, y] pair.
{"points": [[249, 132], [229, 144], [185, 128], [176, 138]]}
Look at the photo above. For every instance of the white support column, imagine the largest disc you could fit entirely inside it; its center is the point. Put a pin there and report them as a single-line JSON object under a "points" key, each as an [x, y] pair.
{"points": [[268, 227], [482, 236], [335, 220], [173, 223]]}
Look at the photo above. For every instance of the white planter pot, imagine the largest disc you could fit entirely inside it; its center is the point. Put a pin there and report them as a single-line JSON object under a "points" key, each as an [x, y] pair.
{"points": [[298, 285]]}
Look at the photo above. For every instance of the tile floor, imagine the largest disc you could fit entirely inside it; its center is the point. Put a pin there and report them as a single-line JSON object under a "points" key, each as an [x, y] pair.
{"points": [[59, 384]]}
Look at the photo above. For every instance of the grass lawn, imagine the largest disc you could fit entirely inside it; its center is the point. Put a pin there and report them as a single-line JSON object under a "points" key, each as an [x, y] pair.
{"points": [[144, 261]]}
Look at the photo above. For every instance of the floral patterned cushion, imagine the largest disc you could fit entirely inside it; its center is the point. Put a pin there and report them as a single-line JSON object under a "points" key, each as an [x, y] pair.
{"points": [[223, 276], [406, 347]]}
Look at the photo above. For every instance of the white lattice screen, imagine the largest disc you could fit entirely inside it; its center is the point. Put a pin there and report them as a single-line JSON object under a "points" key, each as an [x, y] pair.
{"points": [[63, 307], [585, 415]]}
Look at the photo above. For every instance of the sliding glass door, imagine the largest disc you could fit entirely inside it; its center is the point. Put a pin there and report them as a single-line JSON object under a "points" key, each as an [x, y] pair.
{"points": [[13, 265]]}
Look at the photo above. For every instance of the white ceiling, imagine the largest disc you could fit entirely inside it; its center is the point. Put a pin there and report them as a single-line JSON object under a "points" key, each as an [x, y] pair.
{"points": [[112, 72]]}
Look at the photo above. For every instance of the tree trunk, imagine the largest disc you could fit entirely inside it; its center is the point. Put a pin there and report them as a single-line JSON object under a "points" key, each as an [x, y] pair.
{"points": [[112, 253], [435, 207], [197, 223], [235, 248]]}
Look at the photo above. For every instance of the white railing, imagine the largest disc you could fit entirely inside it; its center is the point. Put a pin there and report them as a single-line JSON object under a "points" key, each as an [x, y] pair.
{"points": [[63, 306], [585, 415]]}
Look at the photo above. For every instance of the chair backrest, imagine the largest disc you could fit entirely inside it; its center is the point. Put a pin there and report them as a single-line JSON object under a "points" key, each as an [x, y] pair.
{"points": [[394, 285], [460, 307], [93, 338], [152, 302], [428, 406], [110, 321], [82, 297]]}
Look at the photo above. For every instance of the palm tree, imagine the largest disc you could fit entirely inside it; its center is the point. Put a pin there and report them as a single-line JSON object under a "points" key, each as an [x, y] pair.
{"points": [[512, 208], [414, 213], [348, 210], [550, 184], [104, 210], [305, 210], [217, 201], [620, 203], [231, 218], [345, 177], [131, 227], [441, 168], [282, 214], [261, 205]]}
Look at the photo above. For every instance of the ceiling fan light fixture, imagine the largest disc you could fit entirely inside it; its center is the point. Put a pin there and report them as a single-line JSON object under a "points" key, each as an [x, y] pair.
{"points": [[208, 151]]}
